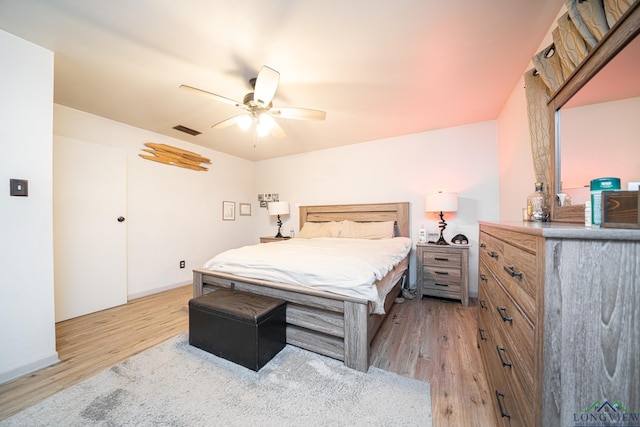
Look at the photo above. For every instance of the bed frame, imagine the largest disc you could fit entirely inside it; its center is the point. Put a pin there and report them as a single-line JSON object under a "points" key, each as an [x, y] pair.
{"points": [[334, 325]]}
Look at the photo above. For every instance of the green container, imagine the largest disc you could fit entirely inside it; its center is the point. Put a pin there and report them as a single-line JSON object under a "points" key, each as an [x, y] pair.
{"points": [[597, 187]]}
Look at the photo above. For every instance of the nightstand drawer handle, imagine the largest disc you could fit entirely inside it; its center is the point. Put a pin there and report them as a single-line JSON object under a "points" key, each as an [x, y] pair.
{"points": [[503, 314], [512, 271], [442, 273], [493, 254], [441, 259], [441, 284], [482, 337], [483, 304], [501, 351], [499, 397]]}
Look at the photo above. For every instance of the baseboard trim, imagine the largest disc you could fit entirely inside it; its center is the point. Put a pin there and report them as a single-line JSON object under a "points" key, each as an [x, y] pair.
{"points": [[29, 368], [156, 290]]}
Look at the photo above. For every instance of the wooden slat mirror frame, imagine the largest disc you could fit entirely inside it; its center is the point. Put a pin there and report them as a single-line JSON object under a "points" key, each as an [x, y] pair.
{"points": [[621, 34]]}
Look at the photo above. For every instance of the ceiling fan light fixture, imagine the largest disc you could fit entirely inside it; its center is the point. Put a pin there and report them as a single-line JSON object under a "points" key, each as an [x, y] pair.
{"points": [[257, 106], [262, 129], [266, 119], [244, 122]]}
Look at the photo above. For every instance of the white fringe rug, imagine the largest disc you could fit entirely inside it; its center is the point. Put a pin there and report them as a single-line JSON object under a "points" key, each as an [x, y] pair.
{"points": [[174, 384]]}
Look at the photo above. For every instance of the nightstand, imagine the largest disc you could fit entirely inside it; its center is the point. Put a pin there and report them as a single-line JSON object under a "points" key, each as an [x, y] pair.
{"points": [[443, 271], [273, 239]]}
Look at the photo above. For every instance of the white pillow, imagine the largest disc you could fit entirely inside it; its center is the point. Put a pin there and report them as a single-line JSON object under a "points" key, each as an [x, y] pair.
{"points": [[368, 230], [311, 230]]}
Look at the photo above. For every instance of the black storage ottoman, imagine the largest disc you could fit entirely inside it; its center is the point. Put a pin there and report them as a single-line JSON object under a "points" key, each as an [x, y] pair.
{"points": [[241, 327]]}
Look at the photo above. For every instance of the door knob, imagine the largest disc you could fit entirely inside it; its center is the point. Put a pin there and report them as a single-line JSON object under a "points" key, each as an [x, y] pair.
{"points": [[120, 219]]}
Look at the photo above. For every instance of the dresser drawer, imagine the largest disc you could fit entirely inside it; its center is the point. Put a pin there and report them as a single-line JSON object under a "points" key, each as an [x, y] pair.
{"points": [[442, 258], [505, 364], [504, 401], [515, 268], [485, 319], [513, 340], [512, 325], [515, 327]]}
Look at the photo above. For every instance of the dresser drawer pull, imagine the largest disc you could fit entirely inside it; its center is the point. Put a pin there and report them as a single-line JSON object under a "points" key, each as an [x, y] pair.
{"points": [[501, 352], [483, 304], [482, 337], [482, 246], [483, 278], [441, 284], [442, 273], [503, 412], [503, 314], [512, 271], [493, 254], [441, 259]]}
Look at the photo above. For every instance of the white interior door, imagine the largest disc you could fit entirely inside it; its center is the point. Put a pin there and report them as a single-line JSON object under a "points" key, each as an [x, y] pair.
{"points": [[89, 227]]}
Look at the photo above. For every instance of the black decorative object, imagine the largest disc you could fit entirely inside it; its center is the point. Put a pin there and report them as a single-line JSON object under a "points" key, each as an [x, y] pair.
{"points": [[460, 239]]}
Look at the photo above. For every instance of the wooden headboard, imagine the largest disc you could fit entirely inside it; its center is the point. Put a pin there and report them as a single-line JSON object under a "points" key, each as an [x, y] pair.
{"points": [[398, 212]]}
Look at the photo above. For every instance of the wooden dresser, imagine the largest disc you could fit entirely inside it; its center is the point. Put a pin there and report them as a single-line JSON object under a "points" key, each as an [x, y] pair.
{"points": [[559, 321], [443, 271]]}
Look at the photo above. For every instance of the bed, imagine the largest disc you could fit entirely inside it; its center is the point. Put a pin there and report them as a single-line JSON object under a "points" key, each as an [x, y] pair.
{"points": [[328, 323]]}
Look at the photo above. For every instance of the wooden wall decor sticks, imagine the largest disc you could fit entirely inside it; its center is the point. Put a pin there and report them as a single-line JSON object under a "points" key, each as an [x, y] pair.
{"points": [[174, 156]]}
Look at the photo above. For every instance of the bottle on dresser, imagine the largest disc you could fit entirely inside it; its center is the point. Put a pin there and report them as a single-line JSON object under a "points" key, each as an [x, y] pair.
{"points": [[538, 204]]}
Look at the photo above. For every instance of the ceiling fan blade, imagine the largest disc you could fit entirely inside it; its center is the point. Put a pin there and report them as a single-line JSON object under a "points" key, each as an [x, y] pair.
{"points": [[229, 122], [266, 85], [212, 96], [298, 113]]}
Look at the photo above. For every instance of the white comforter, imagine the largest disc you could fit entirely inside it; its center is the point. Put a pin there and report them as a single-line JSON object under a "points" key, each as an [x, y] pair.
{"points": [[344, 266]]}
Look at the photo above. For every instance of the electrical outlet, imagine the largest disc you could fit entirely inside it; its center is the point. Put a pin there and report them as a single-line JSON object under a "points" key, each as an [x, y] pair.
{"points": [[182, 264]]}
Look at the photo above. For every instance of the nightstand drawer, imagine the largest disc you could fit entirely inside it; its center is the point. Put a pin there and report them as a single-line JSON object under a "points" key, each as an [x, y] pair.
{"points": [[445, 259], [441, 275]]}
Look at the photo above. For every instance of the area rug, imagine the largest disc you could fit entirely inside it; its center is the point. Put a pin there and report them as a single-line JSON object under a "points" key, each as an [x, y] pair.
{"points": [[175, 384]]}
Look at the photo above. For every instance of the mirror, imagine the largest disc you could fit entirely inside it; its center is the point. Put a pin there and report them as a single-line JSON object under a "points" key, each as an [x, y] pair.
{"points": [[593, 96], [599, 128]]}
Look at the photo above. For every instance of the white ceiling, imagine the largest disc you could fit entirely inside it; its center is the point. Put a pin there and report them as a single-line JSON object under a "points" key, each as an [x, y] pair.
{"points": [[378, 68]]}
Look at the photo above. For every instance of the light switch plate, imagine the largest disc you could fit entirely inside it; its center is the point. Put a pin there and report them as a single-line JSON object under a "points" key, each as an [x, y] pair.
{"points": [[19, 187]]}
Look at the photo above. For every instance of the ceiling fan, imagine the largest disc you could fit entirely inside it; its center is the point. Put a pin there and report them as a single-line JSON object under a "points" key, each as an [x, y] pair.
{"points": [[258, 108]]}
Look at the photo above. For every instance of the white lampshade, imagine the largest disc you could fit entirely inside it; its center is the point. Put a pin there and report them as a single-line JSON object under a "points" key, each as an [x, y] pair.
{"points": [[278, 208], [441, 202]]}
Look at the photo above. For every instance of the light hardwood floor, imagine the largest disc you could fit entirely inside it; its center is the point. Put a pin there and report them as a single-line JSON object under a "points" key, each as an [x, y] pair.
{"points": [[430, 339]]}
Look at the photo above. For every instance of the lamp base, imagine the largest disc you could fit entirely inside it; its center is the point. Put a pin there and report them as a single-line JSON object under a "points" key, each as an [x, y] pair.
{"points": [[441, 241], [443, 225], [279, 235]]}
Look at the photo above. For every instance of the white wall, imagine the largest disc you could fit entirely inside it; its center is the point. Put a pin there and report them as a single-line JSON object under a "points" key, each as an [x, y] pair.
{"points": [[405, 168], [517, 177], [173, 213], [27, 335]]}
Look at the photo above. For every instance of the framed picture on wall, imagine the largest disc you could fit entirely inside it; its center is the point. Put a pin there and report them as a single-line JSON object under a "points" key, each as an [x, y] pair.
{"points": [[245, 209], [228, 211]]}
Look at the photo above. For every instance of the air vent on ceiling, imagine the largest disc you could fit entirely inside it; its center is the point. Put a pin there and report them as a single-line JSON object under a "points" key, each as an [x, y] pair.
{"points": [[187, 130]]}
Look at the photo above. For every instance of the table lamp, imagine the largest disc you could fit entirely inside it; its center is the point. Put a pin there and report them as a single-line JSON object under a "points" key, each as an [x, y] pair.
{"points": [[441, 202], [278, 208]]}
